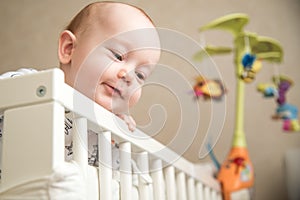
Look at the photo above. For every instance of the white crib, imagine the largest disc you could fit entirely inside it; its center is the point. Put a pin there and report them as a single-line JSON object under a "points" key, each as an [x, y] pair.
{"points": [[33, 163]]}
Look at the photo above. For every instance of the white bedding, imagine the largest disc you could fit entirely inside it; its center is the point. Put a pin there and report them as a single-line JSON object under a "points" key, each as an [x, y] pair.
{"points": [[64, 183]]}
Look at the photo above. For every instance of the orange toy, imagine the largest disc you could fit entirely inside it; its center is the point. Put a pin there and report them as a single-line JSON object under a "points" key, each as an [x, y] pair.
{"points": [[236, 172]]}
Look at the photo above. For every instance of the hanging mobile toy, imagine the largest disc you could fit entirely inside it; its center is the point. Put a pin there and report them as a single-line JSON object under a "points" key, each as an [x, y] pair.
{"points": [[268, 90], [289, 114], [286, 112], [251, 66], [205, 87], [208, 88]]}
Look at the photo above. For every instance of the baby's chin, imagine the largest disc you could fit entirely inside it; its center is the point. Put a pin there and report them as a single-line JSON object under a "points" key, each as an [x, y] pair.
{"points": [[105, 105], [116, 106]]}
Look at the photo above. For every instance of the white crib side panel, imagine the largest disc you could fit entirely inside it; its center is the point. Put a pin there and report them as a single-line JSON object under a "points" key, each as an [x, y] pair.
{"points": [[39, 135], [33, 142]]}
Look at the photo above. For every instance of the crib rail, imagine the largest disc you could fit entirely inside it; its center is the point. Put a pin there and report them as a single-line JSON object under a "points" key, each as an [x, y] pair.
{"points": [[34, 106]]}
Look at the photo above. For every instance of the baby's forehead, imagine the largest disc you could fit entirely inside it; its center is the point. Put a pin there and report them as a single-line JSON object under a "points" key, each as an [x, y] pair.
{"points": [[119, 8], [136, 39], [123, 25], [106, 12], [109, 15], [124, 16], [127, 25]]}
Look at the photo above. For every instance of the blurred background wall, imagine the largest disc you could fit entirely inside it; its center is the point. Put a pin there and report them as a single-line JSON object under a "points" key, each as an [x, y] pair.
{"points": [[29, 35]]}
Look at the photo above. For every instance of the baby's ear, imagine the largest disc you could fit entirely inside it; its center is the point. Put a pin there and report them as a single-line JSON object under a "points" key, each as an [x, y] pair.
{"points": [[65, 46]]}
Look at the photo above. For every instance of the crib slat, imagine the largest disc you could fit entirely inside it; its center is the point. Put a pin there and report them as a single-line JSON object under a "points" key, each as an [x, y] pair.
{"points": [[181, 186], [125, 171], [143, 164], [199, 188], [207, 193], [80, 144], [170, 183], [158, 180], [213, 195], [191, 189], [105, 165]]}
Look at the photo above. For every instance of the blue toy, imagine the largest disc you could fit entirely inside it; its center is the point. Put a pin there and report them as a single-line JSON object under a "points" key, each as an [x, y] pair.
{"points": [[251, 65], [248, 61], [289, 114]]}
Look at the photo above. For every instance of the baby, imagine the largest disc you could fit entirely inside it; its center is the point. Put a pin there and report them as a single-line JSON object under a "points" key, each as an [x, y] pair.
{"points": [[106, 52]]}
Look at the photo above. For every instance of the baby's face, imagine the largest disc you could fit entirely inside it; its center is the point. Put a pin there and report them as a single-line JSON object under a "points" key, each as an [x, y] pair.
{"points": [[111, 61]]}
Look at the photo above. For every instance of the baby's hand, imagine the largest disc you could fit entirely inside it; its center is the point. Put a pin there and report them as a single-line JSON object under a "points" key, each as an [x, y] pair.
{"points": [[129, 121]]}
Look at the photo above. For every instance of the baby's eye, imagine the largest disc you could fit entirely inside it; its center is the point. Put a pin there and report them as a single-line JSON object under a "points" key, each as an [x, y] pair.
{"points": [[118, 56], [140, 76]]}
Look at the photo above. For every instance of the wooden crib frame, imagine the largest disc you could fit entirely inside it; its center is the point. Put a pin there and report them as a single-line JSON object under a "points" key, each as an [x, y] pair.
{"points": [[34, 109]]}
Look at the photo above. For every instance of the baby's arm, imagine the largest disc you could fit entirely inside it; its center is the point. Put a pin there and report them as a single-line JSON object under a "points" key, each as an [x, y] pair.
{"points": [[129, 121]]}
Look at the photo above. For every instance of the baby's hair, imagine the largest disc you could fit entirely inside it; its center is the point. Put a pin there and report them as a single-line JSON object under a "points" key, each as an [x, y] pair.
{"points": [[77, 25]]}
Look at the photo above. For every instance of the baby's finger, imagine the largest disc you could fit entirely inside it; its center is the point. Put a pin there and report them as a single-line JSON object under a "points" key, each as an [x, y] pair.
{"points": [[129, 121]]}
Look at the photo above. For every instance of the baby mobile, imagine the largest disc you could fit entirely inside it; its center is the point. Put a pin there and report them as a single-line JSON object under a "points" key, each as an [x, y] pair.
{"points": [[236, 173]]}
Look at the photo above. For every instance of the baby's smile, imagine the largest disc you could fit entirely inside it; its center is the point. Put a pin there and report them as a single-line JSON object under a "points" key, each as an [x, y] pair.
{"points": [[112, 90]]}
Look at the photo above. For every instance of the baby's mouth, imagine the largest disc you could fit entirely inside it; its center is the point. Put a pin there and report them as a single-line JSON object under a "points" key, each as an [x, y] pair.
{"points": [[115, 90], [118, 92]]}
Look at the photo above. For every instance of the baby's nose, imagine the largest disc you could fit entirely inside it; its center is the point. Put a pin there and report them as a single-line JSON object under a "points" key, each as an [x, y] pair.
{"points": [[125, 76]]}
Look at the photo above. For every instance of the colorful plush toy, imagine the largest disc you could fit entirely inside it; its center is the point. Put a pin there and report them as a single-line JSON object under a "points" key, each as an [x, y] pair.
{"points": [[268, 90], [208, 88], [251, 66], [289, 114], [284, 111]]}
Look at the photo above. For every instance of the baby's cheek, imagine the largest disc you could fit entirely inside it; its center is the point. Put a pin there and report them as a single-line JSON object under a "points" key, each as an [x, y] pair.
{"points": [[103, 101], [135, 97]]}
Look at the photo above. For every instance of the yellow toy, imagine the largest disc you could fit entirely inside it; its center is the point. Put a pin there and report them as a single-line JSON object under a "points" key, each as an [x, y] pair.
{"points": [[208, 88]]}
